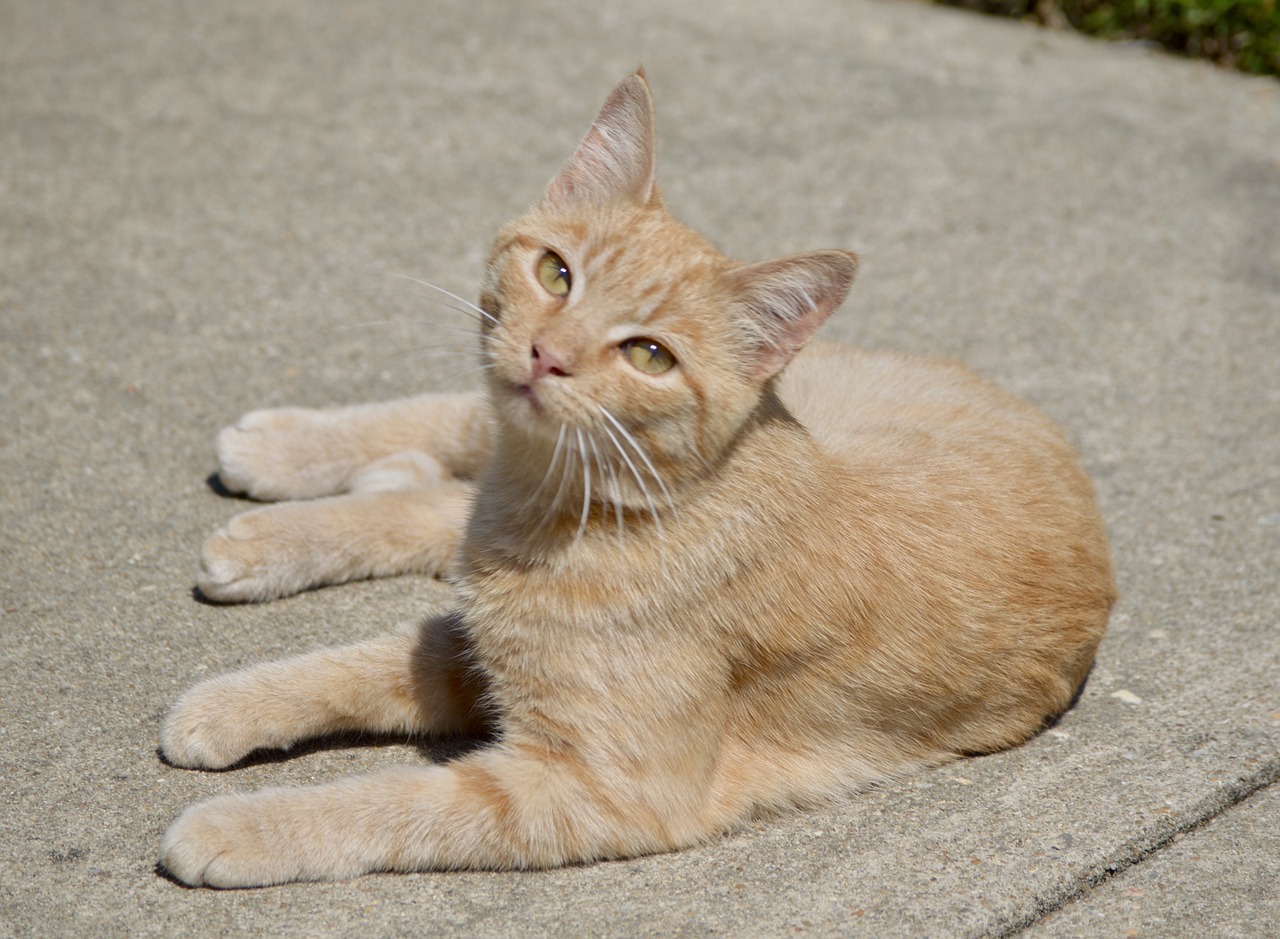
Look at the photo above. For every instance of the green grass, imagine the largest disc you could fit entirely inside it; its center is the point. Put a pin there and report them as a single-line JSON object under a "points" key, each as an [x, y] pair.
{"points": [[1241, 34]]}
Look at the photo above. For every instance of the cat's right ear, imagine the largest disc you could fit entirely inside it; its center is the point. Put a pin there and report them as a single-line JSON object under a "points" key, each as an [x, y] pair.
{"points": [[615, 160]]}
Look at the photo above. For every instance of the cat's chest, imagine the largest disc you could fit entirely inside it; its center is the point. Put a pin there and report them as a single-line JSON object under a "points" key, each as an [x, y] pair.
{"points": [[617, 594], [702, 572], [563, 643]]}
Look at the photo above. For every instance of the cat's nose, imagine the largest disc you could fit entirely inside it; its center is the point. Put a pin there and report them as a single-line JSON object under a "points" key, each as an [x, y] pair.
{"points": [[546, 360]]}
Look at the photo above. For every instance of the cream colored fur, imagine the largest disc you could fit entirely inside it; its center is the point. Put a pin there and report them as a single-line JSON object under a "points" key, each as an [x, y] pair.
{"points": [[684, 597]]}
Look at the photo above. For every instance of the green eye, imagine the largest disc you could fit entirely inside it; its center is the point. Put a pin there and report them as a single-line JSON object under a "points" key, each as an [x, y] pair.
{"points": [[652, 358], [554, 275]]}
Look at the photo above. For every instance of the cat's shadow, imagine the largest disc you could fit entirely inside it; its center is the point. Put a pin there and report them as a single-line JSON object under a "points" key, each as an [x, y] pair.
{"points": [[430, 749], [216, 485]]}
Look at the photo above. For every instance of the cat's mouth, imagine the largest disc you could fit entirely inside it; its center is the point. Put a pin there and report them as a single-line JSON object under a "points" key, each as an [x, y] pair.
{"points": [[527, 392], [530, 403]]}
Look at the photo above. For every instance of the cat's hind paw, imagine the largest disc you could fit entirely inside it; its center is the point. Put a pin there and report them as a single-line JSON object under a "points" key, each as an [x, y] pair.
{"points": [[284, 453], [379, 530], [259, 555]]}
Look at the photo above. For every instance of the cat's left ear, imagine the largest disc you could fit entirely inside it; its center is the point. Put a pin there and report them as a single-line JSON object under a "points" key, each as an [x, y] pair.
{"points": [[615, 160], [782, 303]]}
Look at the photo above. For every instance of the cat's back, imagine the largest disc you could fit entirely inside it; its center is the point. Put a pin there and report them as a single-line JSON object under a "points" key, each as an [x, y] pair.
{"points": [[985, 486], [965, 513], [891, 413]]}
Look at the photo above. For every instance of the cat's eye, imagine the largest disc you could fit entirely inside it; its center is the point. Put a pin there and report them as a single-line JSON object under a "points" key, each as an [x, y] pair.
{"points": [[554, 275], [652, 358]]}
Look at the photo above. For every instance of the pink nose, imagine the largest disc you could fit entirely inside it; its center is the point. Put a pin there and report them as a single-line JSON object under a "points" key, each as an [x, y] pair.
{"points": [[546, 361]]}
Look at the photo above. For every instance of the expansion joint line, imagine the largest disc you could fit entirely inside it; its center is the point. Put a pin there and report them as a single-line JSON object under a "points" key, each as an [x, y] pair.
{"points": [[1139, 849]]}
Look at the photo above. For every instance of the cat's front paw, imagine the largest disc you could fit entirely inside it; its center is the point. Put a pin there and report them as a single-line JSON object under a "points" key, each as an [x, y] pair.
{"points": [[243, 841], [216, 724], [259, 555], [284, 453]]}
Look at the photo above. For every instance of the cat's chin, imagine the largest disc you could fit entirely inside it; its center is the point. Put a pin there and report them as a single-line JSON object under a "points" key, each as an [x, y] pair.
{"points": [[521, 409], [520, 404]]}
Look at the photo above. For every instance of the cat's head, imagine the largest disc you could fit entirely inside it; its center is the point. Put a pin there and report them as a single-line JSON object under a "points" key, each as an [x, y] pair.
{"points": [[618, 329]]}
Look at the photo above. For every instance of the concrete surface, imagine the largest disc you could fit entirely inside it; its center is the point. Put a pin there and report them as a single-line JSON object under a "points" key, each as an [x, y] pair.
{"points": [[199, 205], [1208, 877]]}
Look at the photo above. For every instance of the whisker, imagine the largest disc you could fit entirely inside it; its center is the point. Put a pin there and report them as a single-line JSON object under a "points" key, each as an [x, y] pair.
{"points": [[447, 364], [551, 468], [408, 322], [453, 328], [564, 481], [640, 452], [586, 487], [467, 304], [469, 372], [635, 474], [606, 476], [611, 468], [434, 351], [456, 308]]}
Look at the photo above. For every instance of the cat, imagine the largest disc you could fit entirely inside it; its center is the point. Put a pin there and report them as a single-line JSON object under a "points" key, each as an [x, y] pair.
{"points": [[692, 588]]}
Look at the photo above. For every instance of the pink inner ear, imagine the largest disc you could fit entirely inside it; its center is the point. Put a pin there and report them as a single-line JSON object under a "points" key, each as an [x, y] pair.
{"points": [[615, 160], [784, 302]]}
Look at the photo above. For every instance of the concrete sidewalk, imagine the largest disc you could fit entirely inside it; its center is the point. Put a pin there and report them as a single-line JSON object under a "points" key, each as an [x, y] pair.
{"points": [[199, 205]]}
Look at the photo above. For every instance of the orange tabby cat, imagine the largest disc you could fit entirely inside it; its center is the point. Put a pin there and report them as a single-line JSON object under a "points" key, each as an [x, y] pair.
{"points": [[690, 589]]}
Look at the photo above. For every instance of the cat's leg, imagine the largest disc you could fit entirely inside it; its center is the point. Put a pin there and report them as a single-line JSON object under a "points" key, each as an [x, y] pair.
{"points": [[302, 453], [418, 680], [534, 798], [498, 808], [401, 516]]}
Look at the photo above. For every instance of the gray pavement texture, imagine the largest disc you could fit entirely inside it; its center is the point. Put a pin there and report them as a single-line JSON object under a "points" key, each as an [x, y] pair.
{"points": [[200, 205]]}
